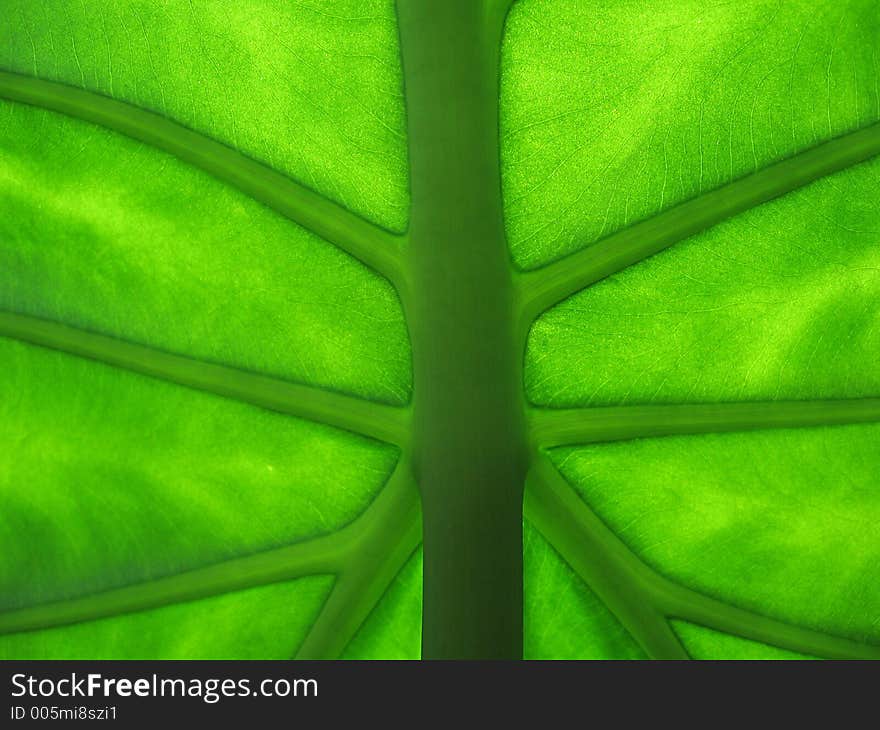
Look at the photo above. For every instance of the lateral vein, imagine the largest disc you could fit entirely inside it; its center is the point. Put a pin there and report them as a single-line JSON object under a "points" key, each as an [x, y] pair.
{"points": [[680, 602], [562, 427], [542, 288], [387, 527], [601, 560], [319, 556], [372, 245], [375, 420], [637, 594]]}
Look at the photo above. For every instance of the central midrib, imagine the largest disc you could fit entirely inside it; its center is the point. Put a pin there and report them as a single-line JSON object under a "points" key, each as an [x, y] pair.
{"points": [[469, 430]]}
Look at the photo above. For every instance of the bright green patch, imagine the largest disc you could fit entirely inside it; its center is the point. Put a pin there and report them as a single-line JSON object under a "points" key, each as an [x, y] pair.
{"points": [[777, 303], [613, 111], [106, 234], [109, 478]]}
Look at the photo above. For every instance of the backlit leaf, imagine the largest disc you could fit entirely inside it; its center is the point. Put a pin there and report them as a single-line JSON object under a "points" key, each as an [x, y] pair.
{"points": [[274, 275]]}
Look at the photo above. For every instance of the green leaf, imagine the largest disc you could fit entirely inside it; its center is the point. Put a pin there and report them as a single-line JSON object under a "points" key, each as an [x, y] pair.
{"points": [[392, 630], [88, 235], [221, 627], [778, 522], [775, 304], [376, 329], [180, 463]]}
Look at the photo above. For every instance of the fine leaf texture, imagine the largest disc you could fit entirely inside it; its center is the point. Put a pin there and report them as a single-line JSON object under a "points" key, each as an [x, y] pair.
{"points": [[391, 631], [194, 478], [254, 624], [563, 618], [780, 522], [776, 304], [103, 233]]}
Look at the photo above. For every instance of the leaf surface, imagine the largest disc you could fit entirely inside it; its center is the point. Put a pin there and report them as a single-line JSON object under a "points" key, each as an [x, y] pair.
{"points": [[775, 304], [115, 238], [703, 643], [209, 280], [564, 619], [779, 522], [268, 622]]}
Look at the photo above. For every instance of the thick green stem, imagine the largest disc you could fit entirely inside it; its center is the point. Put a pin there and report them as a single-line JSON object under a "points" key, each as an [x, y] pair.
{"points": [[469, 440]]}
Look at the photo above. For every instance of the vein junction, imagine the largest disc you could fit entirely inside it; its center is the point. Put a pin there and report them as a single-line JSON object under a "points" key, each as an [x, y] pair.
{"points": [[641, 598]]}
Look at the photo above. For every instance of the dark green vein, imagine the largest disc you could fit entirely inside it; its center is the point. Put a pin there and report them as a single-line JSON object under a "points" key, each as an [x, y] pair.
{"points": [[387, 527], [544, 287], [390, 534], [599, 558], [679, 602], [324, 555], [637, 594], [379, 421], [551, 427], [374, 246]]}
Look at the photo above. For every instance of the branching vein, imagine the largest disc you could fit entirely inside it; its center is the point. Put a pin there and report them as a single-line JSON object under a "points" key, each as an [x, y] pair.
{"points": [[560, 427], [374, 246], [366, 554], [544, 287], [379, 421], [641, 598]]}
